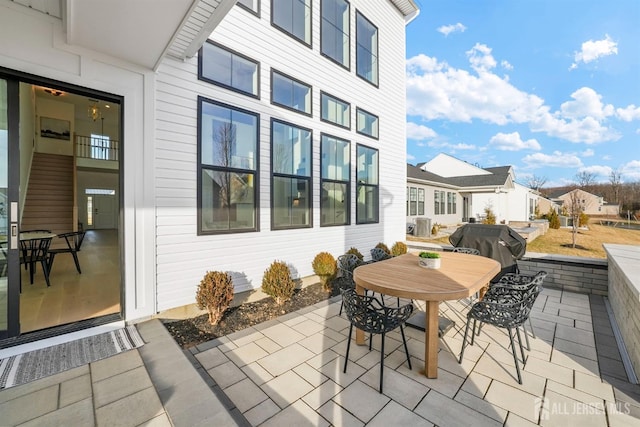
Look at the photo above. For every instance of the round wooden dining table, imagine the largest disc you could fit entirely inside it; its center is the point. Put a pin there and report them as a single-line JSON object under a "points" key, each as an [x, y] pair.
{"points": [[460, 276]]}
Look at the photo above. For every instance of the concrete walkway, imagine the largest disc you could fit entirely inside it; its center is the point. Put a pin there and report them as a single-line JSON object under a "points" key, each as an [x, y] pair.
{"points": [[289, 372]]}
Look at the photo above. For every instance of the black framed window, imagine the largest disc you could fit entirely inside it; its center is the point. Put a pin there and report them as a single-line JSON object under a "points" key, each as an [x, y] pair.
{"points": [[293, 17], [335, 165], [367, 123], [252, 6], [291, 179], [366, 49], [290, 93], [367, 206], [335, 30], [335, 110], [227, 168], [413, 201], [223, 67], [420, 201]]}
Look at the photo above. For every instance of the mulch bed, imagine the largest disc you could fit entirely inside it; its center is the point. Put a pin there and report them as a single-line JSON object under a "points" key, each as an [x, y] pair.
{"points": [[196, 330]]}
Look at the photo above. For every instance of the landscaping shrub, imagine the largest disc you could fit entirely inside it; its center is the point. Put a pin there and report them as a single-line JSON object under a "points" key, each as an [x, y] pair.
{"points": [[398, 248], [554, 220], [490, 216], [277, 282], [583, 219], [383, 247], [215, 294], [356, 252], [324, 265]]}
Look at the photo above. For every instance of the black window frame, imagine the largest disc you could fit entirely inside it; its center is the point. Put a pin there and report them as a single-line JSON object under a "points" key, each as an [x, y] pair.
{"points": [[308, 178], [322, 94], [358, 110], [377, 53], [346, 66], [204, 78], [255, 172], [293, 79], [346, 181], [289, 33], [248, 9], [362, 184]]}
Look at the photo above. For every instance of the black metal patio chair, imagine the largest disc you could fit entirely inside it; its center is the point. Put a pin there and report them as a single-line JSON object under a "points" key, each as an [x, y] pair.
{"points": [[369, 315], [346, 264]]}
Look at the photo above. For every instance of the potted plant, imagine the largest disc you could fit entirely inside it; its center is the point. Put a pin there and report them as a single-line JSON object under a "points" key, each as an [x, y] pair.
{"points": [[429, 259]]}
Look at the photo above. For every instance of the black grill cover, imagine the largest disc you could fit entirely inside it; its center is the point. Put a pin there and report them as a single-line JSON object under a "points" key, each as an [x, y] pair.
{"points": [[499, 242]]}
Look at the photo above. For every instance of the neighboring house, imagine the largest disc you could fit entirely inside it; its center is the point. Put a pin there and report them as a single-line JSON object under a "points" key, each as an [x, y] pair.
{"points": [[246, 134], [591, 204], [455, 191]]}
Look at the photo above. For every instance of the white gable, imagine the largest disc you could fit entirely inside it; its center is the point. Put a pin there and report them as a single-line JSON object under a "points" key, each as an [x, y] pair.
{"points": [[448, 166]]}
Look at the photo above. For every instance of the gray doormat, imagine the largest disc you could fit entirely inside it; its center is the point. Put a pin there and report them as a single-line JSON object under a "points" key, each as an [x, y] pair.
{"points": [[27, 367]]}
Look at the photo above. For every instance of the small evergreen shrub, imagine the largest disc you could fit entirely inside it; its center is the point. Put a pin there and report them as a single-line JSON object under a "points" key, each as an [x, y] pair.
{"points": [[383, 247], [324, 265], [398, 248], [277, 282], [356, 252], [583, 220], [554, 220], [490, 216], [215, 294]]}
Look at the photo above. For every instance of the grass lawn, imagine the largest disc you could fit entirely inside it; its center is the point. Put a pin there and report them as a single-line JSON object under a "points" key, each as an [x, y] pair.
{"points": [[588, 242]]}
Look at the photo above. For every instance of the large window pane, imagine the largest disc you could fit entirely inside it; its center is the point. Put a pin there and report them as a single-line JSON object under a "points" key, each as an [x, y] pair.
{"points": [[335, 165], [335, 31], [366, 49], [291, 183], [367, 191], [228, 143], [366, 123], [413, 197], [335, 111], [290, 93], [293, 17], [223, 67]]}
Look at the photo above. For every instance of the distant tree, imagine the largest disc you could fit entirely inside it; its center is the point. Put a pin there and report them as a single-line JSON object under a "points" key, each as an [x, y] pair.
{"points": [[574, 208], [537, 182], [585, 179], [615, 178]]}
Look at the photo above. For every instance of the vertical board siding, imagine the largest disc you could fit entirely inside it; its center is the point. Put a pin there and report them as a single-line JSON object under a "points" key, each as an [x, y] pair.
{"points": [[183, 257]]}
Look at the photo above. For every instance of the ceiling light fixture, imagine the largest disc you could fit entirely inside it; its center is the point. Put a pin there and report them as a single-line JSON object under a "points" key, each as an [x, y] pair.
{"points": [[94, 112], [53, 92]]}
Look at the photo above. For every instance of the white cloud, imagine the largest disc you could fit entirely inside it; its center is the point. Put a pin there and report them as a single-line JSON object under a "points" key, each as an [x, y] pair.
{"points": [[419, 132], [629, 113], [601, 171], [437, 91], [588, 153], [586, 103], [593, 50], [410, 157], [631, 171], [512, 142], [454, 28], [557, 159], [506, 65], [461, 146]]}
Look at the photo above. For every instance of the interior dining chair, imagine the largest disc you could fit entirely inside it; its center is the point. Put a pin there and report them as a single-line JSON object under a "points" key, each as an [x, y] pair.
{"points": [[35, 251], [369, 315], [73, 242], [508, 316]]}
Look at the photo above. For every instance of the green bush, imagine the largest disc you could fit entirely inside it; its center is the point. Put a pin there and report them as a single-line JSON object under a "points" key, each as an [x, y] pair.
{"points": [[324, 265], [383, 247], [215, 294], [277, 282], [398, 248], [356, 252], [583, 220], [554, 219]]}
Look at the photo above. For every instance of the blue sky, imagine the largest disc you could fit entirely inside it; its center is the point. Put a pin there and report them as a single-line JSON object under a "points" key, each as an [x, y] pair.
{"points": [[550, 87]]}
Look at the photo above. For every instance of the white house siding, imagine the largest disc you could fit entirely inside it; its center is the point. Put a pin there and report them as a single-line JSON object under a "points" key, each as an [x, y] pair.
{"points": [[34, 43], [429, 208], [183, 257]]}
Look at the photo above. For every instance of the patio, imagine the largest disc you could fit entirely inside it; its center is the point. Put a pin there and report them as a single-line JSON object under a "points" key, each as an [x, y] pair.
{"points": [[289, 372]]}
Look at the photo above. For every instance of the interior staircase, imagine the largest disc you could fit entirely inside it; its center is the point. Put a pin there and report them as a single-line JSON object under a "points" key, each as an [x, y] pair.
{"points": [[49, 204]]}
